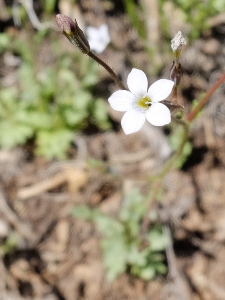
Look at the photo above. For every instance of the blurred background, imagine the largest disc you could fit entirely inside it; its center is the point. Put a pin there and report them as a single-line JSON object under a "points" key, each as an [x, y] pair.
{"points": [[74, 187]]}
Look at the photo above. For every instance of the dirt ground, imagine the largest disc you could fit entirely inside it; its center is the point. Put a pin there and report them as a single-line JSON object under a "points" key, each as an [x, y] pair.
{"points": [[58, 257]]}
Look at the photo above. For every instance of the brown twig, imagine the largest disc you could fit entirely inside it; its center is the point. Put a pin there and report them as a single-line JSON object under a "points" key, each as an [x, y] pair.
{"points": [[204, 100], [70, 176]]}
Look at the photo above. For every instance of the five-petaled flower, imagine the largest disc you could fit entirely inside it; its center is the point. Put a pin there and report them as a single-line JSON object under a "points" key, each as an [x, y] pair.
{"points": [[98, 38], [140, 103]]}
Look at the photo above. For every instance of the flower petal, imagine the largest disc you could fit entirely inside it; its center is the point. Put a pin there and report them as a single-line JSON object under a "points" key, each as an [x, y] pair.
{"points": [[92, 32], [137, 82], [132, 121], [160, 89], [104, 33], [158, 114], [97, 46], [122, 100], [98, 38]]}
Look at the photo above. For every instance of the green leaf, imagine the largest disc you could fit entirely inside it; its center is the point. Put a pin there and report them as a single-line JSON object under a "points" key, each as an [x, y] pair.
{"points": [[113, 244], [218, 5], [136, 257], [4, 41], [54, 144], [10, 244], [147, 273], [49, 5], [36, 120], [67, 81], [83, 211], [175, 139], [100, 114], [29, 86], [13, 134], [132, 207], [90, 79], [153, 264], [195, 102], [75, 117], [160, 268], [47, 80], [81, 100], [157, 240], [107, 225], [115, 255], [8, 103], [132, 8]]}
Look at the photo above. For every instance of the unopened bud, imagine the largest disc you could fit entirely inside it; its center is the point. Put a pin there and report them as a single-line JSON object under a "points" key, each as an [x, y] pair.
{"points": [[176, 73], [73, 32], [176, 44]]}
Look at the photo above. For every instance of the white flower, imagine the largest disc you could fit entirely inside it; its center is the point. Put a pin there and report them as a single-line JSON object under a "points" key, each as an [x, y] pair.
{"points": [[140, 103], [98, 38]]}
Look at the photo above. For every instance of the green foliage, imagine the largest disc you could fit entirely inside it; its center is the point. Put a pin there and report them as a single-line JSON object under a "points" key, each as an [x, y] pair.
{"points": [[50, 143], [9, 245], [49, 6], [4, 41], [196, 13], [135, 12], [52, 103], [195, 102], [122, 243], [175, 139]]}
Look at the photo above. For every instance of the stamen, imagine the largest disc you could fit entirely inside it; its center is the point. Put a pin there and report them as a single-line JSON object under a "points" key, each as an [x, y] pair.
{"points": [[144, 102]]}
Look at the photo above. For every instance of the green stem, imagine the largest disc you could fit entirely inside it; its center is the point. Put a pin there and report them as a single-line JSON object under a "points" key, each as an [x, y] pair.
{"points": [[178, 153], [151, 198], [108, 69]]}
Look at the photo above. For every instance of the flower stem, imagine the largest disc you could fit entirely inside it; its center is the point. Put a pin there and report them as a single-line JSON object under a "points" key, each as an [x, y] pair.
{"points": [[204, 100], [108, 69], [151, 198], [157, 183]]}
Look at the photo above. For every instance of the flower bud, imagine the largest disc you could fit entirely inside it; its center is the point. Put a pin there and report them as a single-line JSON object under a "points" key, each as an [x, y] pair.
{"points": [[73, 32], [176, 44], [176, 73]]}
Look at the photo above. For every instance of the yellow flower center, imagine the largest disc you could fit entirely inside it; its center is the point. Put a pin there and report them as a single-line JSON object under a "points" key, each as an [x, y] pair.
{"points": [[144, 102]]}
